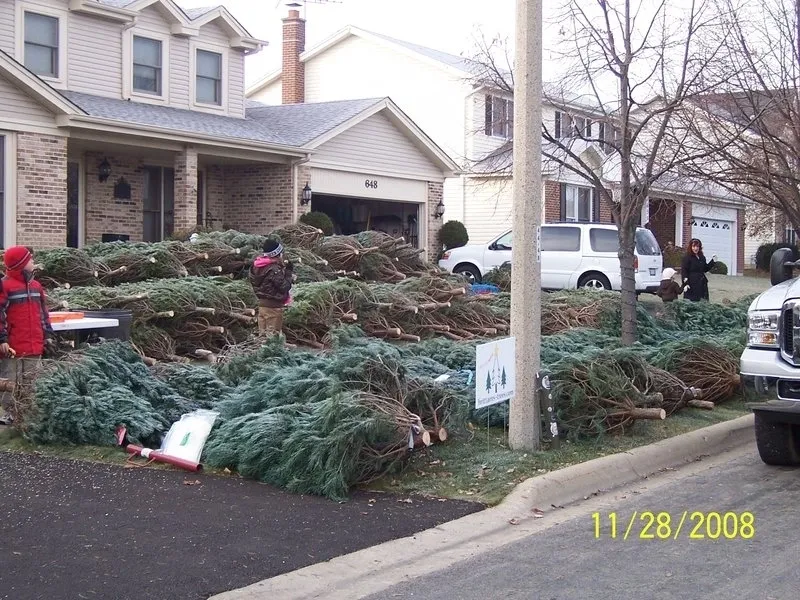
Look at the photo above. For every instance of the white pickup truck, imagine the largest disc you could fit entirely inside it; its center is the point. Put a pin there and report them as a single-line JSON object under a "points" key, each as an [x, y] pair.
{"points": [[772, 360]]}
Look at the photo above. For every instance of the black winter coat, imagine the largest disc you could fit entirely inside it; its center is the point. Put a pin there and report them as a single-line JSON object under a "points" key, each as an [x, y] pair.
{"points": [[693, 273]]}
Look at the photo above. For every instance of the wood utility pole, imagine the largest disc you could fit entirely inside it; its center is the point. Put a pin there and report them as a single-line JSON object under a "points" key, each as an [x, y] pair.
{"points": [[525, 426]]}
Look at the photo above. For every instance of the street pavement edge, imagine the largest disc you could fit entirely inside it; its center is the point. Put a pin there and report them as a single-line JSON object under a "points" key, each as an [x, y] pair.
{"points": [[368, 571]]}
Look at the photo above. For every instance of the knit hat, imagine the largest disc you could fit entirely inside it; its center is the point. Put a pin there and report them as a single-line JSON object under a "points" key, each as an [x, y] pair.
{"points": [[668, 273], [16, 257], [272, 248]]}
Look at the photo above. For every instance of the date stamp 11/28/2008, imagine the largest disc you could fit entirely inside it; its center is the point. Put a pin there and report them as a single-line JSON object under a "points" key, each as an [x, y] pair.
{"points": [[692, 525]]}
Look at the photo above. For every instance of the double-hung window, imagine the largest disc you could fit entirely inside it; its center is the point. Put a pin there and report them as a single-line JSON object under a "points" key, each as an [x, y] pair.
{"points": [[208, 84], [42, 44], [578, 203], [147, 65]]}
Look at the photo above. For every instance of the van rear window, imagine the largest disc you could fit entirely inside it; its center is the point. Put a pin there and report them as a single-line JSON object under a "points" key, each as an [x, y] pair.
{"points": [[604, 240], [646, 243]]}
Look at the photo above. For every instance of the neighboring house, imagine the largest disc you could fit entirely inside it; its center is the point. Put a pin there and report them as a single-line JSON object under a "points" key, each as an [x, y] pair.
{"points": [[127, 119], [473, 122]]}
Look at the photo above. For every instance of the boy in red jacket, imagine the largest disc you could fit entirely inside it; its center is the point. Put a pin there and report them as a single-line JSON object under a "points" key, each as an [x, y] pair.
{"points": [[24, 320]]}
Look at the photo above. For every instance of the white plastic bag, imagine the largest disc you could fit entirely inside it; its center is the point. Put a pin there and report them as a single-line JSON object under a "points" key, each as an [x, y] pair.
{"points": [[186, 438]]}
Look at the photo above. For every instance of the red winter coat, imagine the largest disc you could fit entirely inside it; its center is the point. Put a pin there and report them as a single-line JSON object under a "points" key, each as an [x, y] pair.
{"points": [[24, 321]]}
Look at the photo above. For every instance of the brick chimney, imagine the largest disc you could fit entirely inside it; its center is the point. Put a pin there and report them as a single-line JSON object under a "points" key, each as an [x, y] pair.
{"points": [[294, 72]]}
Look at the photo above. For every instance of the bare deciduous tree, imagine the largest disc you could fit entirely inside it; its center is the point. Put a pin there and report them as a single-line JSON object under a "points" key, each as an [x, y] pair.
{"points": [[630, 67], [752, 125]]}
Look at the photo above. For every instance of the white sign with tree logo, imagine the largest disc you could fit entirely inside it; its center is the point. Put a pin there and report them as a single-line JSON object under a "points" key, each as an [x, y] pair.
{"points": [[495, 374]]}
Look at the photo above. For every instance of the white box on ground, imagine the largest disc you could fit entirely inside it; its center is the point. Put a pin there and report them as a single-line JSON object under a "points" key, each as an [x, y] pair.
{"points": [[495, 372]]}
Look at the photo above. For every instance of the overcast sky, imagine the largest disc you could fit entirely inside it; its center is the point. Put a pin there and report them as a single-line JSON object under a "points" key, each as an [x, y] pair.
{"points": [[447, 25]]}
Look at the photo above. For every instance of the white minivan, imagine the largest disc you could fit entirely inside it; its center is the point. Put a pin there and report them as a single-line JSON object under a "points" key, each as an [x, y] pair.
{"points": [[574, 255]]}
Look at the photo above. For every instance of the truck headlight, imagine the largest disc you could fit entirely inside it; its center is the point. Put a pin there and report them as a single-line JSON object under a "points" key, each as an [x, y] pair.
{"points": [[762, 328]]}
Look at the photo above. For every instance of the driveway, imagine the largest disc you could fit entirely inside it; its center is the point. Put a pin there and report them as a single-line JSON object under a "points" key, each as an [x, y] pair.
{"points": [[77, 530], [725, 287]]}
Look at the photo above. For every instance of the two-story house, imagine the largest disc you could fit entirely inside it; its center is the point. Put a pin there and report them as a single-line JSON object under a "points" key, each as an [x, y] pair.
{"points": [[127, 119], [472, 120]]}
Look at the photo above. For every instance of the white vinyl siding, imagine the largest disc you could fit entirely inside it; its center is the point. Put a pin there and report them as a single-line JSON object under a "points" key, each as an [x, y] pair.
{"points": [[376, 145], [179, 72], [235, 83], [488, 211], [94, 56], [19, 108], [7, 43], [453, 198], [271, 94], [358, 68]]}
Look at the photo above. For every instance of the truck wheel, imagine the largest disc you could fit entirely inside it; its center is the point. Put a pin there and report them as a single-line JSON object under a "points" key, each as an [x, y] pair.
{"points": [[778, 273], [776, 442]]}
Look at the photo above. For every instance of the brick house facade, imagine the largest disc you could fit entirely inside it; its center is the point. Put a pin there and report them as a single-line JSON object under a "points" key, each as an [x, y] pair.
{"points": [[41, 210], [90, 157]]}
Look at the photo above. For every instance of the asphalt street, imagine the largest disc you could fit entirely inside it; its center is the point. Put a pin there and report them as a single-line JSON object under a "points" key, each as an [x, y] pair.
{"points": [[77, 530], [710, 557]]}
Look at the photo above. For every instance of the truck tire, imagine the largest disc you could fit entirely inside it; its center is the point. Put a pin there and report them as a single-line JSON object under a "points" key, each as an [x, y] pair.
{"points": [[778, 273], [776, 442]]}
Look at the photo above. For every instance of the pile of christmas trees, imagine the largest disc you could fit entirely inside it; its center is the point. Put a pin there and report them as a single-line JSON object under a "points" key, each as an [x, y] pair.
{"points": [[310, 422]]}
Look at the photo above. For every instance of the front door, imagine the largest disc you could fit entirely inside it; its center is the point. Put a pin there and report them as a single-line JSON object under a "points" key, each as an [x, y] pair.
{"points": [[73, 204], [158, 213]]}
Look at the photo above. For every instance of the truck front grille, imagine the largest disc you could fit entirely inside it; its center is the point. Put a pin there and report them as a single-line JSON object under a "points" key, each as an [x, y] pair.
{"points": [[789, 328]]}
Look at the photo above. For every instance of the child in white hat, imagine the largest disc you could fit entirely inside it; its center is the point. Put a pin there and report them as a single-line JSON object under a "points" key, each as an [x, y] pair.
{"points": [[669, 289]]}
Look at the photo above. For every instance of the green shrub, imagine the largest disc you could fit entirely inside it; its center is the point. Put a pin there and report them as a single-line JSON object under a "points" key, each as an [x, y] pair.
{"points": [[672, 258], [453, 234], [719, 268], [319, 220], [765, 251]]}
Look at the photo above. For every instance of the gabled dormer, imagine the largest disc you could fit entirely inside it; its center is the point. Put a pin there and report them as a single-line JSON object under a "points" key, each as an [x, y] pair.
{"points": [[149, 51]]}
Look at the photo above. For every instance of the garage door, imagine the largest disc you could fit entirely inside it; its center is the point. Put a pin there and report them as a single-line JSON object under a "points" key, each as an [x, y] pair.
{"points": [[717, 238]]}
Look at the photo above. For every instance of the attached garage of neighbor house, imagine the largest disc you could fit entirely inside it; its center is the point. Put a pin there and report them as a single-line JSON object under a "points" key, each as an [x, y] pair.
{"points": [[716, 228], [359, 201], [376, 171]]}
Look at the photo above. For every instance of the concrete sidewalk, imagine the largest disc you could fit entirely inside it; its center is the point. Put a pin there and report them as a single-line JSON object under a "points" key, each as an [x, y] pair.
{"points": [[369, 571]]}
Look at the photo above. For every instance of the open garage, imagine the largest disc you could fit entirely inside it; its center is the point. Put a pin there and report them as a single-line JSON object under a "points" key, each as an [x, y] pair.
{"points": [[357, 202]]}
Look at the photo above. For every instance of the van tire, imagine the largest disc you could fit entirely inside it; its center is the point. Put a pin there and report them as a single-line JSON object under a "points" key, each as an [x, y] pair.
{"points": [[471, 272], [594, 281]]}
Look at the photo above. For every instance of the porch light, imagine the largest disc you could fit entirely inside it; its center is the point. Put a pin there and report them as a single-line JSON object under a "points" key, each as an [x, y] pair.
{"points": [[307, 193], [439, 210], [104, 170]]}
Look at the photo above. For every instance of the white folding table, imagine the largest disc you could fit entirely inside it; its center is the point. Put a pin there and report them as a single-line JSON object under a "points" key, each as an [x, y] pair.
{"points": [[85, 323]]}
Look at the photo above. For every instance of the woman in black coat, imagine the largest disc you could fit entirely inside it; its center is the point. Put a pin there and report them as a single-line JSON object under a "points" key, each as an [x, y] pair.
{"points": [[693, 272]]}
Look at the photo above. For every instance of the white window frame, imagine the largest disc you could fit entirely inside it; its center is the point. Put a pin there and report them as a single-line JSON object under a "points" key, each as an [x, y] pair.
{"points": [[127, 66], [10, 189], [572, 198], [48, 11], [194, 46]]}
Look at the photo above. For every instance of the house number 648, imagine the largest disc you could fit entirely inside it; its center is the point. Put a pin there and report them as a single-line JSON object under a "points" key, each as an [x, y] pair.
{"points": [[371, 183]]}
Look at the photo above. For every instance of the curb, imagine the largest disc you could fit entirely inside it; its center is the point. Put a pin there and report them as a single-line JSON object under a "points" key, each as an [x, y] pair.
{"points": [[370, 570]]}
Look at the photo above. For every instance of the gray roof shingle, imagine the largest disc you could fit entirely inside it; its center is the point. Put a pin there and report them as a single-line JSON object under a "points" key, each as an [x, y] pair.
{"points": [[294, 125], [304, 123]]}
